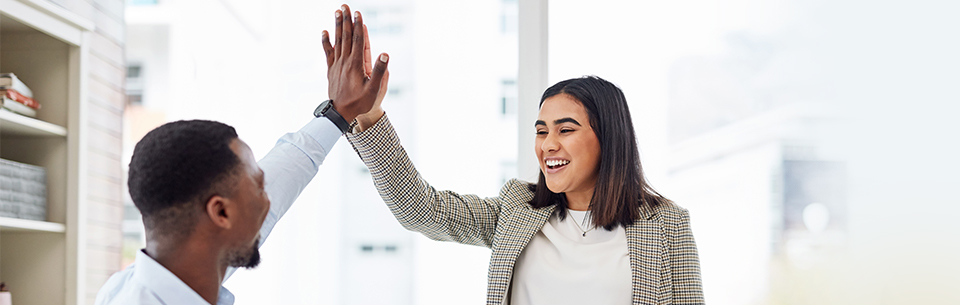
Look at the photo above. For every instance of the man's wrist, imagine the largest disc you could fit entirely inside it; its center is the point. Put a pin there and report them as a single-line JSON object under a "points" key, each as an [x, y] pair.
{"points": [[328, 110]]}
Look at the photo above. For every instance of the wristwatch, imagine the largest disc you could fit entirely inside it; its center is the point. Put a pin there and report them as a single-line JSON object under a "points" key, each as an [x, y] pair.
{"points": [[326, 110]]}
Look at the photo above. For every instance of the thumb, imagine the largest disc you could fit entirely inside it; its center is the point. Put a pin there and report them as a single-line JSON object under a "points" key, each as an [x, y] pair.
{"points": [[378, 70]]}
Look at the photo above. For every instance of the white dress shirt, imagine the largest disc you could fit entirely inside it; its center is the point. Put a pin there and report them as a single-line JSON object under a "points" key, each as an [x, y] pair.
{"points": [[564, 265], [288, 168]]}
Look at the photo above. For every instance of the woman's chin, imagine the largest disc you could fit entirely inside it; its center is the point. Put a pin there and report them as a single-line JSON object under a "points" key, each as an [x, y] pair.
{"points": [[554, 188]]}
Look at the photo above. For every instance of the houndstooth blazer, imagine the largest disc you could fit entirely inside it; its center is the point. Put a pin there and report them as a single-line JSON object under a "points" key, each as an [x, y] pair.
{"points": [[663, 254]]}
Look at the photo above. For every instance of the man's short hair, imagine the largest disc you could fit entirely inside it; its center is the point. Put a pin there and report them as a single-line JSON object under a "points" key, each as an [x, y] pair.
{"points": [[176, 168]]}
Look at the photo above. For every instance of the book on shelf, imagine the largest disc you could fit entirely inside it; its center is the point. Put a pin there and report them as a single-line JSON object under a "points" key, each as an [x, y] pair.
{"points": [[10, 81], [16, 106], [19, 97]]}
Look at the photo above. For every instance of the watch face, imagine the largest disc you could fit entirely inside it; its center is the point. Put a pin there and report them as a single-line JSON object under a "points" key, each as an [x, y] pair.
{"points": [[321, 109]]}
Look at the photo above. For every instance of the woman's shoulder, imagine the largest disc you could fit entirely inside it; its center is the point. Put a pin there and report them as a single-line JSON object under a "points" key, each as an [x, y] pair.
{"points": [[516, 191], [670, 207], [670, 211]]}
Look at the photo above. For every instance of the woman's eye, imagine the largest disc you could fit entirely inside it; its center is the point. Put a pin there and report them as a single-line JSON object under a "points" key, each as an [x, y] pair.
{"points": [[541, 132], [566, 130]]}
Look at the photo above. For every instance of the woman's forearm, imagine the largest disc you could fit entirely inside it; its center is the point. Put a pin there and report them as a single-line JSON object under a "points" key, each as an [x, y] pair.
{"points": [[439, 215]]}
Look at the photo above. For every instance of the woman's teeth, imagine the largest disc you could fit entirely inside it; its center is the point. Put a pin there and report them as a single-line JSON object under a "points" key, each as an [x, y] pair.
{"points": [[555, 163]]}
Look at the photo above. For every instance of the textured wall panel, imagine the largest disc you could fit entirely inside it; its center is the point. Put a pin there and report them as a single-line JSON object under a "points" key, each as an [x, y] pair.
{"points": [[106, 103]]}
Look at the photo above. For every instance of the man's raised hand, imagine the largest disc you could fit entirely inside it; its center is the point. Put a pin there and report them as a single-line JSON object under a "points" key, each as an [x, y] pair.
{"points": [[350, 87]]}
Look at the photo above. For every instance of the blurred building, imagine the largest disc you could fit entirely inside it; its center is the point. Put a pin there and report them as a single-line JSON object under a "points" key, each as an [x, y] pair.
{"points": [[746, 129], [377, 254]]}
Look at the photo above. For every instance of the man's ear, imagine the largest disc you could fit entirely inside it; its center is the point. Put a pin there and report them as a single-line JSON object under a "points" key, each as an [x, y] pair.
{"points": [[219, 209]]}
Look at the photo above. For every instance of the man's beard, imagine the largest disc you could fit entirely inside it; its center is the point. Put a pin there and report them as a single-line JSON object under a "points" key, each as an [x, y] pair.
{"points": [[248, 258]]}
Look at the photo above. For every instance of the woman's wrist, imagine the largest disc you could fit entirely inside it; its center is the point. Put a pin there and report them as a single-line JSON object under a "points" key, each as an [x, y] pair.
{"points": [[364, 121]]}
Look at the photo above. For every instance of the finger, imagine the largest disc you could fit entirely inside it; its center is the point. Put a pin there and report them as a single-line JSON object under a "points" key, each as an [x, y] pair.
{"points": [[379, 70], [337, 36], [347, 34], [383, 89], [367, 63], [327, 49], [358, 36]]}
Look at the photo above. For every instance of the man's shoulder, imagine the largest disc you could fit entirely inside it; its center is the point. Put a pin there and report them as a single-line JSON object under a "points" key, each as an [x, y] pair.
{"points": [[122, 289]]}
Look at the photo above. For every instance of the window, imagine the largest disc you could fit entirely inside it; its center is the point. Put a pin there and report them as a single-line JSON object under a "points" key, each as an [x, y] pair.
{"points": [[134, 84], [508, 99], [509, 12], [134, 98]]}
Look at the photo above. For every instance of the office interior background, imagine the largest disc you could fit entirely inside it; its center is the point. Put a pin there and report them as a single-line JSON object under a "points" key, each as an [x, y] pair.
{"points": [[814, 142]]}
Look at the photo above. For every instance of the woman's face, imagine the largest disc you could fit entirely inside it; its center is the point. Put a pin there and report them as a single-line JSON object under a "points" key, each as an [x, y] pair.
{"points": [[566, 145]]}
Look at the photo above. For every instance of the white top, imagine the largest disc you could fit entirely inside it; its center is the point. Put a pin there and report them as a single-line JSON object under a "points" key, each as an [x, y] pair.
{"points": [[288, 168], [148, 282], [562, 266]]}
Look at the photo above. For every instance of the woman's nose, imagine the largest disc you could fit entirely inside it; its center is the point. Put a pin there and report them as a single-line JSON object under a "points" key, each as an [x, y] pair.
{"points": [[550, 143]]}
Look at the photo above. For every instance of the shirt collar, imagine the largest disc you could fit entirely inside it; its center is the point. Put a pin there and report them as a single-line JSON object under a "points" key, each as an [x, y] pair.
{"points": [[168, 287]]}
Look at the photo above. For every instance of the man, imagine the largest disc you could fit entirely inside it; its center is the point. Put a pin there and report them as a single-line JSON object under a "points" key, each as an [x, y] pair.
{"points": [[207, 205]]}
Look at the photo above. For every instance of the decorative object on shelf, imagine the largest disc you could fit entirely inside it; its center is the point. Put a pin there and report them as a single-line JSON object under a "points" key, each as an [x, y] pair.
{"points": [[5, 298], [16, 96], [23, 191]]}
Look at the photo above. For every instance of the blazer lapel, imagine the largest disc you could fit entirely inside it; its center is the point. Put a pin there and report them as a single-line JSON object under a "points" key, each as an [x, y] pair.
{"points": [[646, 244], [517, 233]]}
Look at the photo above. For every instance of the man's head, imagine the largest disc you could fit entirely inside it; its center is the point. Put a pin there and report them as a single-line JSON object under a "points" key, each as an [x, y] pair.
{"points": [[196, 179]]}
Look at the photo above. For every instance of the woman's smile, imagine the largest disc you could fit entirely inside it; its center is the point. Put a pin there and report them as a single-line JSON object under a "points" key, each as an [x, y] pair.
{"points": [[555, 165]]}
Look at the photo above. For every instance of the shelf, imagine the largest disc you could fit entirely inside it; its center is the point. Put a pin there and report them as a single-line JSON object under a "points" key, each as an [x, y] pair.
{"points": [[48, 47], [24, 225], [48, 18], [12, 124]]}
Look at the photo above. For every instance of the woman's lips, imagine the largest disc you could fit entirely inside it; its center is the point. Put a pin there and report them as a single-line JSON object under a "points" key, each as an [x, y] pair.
{"points": [[556, 168]]}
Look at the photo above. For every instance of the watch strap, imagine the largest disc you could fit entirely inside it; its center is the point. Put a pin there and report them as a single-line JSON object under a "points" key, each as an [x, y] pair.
{"points": [[330, 113]]}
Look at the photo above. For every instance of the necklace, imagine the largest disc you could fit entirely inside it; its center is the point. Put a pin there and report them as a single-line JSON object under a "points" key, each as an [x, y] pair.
{"points": [[584, 221]]}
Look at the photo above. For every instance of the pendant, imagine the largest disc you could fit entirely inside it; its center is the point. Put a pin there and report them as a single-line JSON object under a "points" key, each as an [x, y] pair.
{"points": [[584, 234]]}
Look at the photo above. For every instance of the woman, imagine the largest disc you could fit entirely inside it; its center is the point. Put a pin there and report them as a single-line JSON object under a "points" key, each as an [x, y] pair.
{"points": [[591, 230]]}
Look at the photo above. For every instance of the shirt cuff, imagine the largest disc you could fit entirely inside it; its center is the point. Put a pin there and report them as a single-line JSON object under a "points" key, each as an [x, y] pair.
{"points": [[323, 131]]}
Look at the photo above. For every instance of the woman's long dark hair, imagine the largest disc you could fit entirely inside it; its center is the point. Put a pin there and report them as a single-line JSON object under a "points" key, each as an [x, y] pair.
{"points": [[621, 188]]}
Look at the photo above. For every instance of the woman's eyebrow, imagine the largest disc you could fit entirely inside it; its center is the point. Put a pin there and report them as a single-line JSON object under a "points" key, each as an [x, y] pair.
{"points": [[566, 120], [558, 122]]}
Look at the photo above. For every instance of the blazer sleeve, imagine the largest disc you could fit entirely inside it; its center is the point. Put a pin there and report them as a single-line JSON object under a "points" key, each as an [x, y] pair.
{"points": [[685, 264], [439, 215]]}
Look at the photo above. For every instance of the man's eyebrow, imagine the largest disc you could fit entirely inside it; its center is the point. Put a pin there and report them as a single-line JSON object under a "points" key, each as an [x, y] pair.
{"points": [[566, 120], [540, 122]]}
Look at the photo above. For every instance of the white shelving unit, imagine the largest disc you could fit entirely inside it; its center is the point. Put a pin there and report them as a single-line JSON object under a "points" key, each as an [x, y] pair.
{"points": [[15, 125], [25, 225], [46, 46]]}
